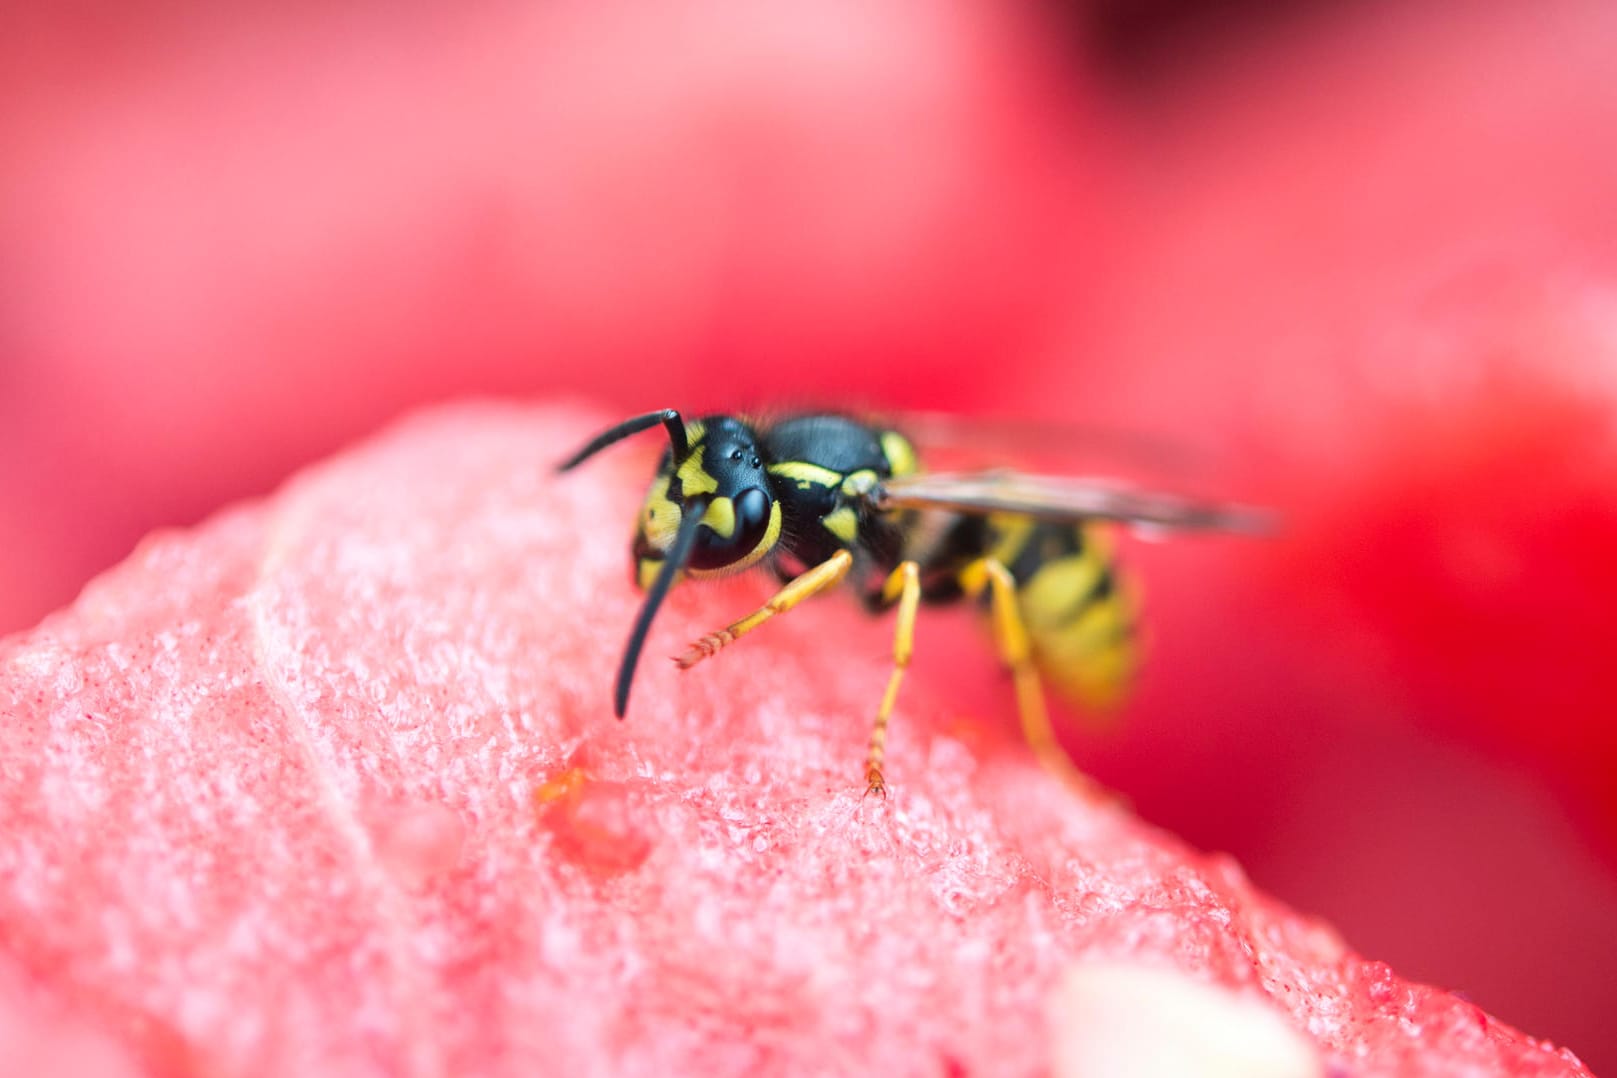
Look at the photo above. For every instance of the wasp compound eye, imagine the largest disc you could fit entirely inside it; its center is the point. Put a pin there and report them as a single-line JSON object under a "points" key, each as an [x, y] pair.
{"points": [[733, 528]]}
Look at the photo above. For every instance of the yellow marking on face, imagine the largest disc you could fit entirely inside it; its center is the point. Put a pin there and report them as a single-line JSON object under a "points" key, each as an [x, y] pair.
{"points": [[899, 452], [861, 482], [659, 516], [765, 545], [646, 572], [693, 477], [842, 523], [806, 475], [694, 431], [721, 517]]}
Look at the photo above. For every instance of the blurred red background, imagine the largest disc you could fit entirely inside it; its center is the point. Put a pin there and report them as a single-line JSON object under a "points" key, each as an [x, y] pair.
{"points": [[1358, 259]]}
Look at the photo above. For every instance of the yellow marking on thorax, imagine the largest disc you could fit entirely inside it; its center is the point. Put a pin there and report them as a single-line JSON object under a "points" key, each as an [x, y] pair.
{"points": [[899, 452], [806, 475], [860, 483], [842, 523]]}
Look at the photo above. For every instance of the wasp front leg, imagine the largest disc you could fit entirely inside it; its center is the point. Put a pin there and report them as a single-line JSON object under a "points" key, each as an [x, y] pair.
{"points": [[825, 575]]}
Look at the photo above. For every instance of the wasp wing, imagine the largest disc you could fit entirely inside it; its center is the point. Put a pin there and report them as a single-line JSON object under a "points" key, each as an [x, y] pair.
{"points": [[978, 442], [1063, 499]]}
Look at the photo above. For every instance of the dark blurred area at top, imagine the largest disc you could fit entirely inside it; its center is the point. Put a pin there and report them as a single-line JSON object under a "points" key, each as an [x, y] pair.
{"points": [[1135, 42]]}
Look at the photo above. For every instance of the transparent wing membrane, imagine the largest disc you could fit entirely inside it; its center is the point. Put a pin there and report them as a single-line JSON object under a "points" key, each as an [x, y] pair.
{"points": [[1063, 499]]}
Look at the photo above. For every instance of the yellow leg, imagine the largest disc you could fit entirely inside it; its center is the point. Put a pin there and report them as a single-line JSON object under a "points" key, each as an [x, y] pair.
{"points": [[822, 576], [903, 584], [1016, 650]]}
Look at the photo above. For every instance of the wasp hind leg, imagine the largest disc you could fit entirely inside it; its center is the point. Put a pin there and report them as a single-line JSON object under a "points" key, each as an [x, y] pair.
{"points": [[1016, 651], [824, 575], [904, 585]]}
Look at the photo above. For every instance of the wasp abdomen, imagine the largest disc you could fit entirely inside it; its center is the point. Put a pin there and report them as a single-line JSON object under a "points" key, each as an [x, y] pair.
{"points": [[1082, 621], [1077, 606]]}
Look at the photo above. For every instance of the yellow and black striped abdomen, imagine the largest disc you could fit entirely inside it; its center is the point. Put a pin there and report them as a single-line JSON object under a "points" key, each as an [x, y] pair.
{"points": [[1078, 607]]}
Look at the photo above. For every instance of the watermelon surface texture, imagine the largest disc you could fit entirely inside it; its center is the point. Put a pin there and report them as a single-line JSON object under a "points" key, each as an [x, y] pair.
{"points": [[331, 785]]}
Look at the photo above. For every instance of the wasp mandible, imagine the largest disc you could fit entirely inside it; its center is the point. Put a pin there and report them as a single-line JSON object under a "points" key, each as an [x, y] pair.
{"points": [[819, 498]]}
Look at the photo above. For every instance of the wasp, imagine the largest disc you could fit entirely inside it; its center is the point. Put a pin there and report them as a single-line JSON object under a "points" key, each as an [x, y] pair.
{"points": [[823, 498]]}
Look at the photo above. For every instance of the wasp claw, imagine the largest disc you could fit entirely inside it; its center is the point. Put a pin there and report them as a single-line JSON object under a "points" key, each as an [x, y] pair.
{"points": [[875, 784], [704, 648]]}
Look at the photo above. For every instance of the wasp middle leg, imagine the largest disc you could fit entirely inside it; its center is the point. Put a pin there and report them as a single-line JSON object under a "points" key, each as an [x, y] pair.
{"points": [[904, 585]]}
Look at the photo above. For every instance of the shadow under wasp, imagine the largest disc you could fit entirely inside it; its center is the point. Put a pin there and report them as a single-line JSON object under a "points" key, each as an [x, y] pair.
{"points": [[819, 498]]}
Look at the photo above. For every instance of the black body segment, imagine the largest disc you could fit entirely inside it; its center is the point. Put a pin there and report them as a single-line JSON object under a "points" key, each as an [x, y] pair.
{"points": [[824, 468], [833, 442]]}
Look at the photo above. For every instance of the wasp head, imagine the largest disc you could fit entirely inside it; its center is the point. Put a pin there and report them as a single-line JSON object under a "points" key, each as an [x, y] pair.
{"points": [[722, 470], [710, 510]]}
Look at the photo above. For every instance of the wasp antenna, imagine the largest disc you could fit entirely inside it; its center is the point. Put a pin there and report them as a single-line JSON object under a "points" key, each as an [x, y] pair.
{"points": [[678, 554], [667, 417]]}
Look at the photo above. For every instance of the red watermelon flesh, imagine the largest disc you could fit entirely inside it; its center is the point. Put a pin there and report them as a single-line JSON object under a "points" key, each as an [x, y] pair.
{"points": [[332, 784]]}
